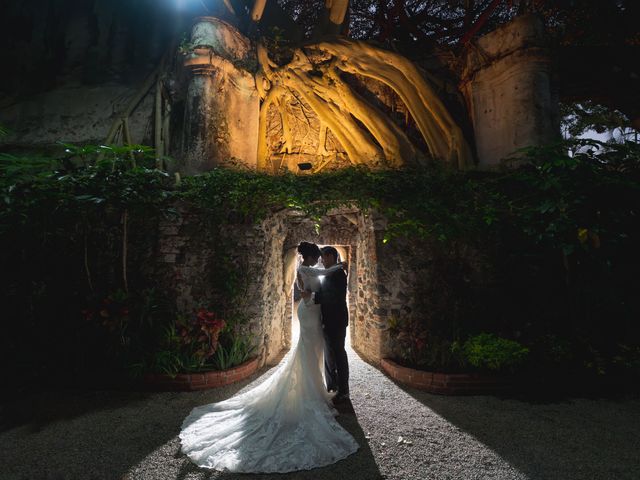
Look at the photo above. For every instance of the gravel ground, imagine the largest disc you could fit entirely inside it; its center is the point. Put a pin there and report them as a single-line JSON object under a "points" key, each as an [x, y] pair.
{"points": [[403, 433]]}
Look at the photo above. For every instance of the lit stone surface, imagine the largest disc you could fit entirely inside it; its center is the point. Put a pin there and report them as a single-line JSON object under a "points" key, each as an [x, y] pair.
{"points": [[507, 85], [224, 40], [222, 104]]}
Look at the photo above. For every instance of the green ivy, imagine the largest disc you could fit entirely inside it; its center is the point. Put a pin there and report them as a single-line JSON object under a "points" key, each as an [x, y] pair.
{"points": [[570, 210]]}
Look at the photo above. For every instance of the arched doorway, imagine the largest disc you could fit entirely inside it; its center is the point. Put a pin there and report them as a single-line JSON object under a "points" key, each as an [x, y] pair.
{"points": [[353, 234], [291, 262], [380, 278]]}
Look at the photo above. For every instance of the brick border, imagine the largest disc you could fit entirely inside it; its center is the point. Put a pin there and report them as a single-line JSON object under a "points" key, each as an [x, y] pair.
{"points": [[186, 382], [445, 383]]}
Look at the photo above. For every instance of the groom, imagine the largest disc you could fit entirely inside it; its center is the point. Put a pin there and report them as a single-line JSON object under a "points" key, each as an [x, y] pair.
{"points": [[332, 298]]}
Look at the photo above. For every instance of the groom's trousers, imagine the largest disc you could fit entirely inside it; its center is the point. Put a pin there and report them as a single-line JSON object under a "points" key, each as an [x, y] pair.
{"points": [[336, 365]]}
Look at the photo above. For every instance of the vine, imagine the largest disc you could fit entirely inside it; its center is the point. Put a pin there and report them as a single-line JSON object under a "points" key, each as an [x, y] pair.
{"points": [[573, 215]]}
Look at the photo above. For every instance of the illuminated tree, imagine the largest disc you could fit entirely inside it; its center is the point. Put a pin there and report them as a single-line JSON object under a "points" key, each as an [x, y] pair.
{"points": [[325, 73]]}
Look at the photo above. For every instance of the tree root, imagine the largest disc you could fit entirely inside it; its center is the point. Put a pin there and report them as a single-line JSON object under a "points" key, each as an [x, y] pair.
{"points": [[367, 135]]}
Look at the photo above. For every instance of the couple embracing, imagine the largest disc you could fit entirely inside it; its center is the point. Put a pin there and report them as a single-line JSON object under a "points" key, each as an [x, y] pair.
{"points": [[287, 422], [331, 295]]}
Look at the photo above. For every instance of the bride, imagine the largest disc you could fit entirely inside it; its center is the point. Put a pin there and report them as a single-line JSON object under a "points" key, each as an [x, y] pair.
{"points": [[284, 424]]}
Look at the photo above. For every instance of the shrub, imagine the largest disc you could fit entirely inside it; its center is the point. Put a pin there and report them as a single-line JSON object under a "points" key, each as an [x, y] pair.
{"points": [[409, 337], [489, 352], [235, 350]]}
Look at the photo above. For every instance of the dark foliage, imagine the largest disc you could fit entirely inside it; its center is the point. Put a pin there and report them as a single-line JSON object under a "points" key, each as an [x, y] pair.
{"points": [[556, 236]]}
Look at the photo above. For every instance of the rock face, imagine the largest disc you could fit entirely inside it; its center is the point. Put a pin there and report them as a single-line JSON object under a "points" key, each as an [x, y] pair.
{"points": [[71, 71], [69, 68], [74, 114], [507, 85]]}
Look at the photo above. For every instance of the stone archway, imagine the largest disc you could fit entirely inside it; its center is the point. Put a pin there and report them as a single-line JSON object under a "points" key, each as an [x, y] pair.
{"points": [[355, 235], [380, 277]]}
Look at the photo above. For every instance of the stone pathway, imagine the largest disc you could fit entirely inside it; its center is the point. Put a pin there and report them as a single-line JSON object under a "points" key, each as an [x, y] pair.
{"points": [[403, 433]]}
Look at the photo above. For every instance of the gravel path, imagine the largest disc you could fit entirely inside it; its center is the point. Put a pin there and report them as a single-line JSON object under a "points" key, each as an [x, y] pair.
{"points": [[403, 433]]}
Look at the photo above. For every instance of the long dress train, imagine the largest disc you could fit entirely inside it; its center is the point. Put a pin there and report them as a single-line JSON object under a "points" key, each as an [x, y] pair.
{"points": [[284, 424]]}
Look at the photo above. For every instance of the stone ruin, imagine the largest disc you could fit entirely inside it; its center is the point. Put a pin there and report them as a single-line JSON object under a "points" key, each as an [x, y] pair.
{"points": [[505, 86]]}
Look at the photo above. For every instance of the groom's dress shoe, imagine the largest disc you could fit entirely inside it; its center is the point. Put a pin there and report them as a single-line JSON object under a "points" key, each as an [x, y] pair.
{"points": [[341, 398]]}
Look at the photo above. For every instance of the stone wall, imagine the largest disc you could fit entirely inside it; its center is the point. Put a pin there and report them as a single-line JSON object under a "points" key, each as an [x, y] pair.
{"points": [[265, 254], [78, 113], [356, 234], [386, 280], [222, 104], [192, 277]]}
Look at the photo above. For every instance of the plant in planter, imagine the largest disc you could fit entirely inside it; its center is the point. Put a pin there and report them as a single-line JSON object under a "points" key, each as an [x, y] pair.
{"points": [[203, 342], [202, 333], [419, 348], [409, 337], [127, 324], [188, 345], [109, 325], [234, 351], [111, 313], [235, 345], [487, 351], [437, 364]]}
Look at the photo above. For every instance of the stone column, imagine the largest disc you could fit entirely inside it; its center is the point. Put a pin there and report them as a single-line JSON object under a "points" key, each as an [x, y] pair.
{"points": [[222, 105], [507, 87], [369, 336]]}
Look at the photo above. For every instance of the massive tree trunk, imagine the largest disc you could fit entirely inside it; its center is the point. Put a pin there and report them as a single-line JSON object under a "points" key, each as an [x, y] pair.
{"points": [[367, 134], [318, 76]]}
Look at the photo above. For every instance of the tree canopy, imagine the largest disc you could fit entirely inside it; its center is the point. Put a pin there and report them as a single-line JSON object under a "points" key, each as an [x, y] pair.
{"points": [[409, 25]]}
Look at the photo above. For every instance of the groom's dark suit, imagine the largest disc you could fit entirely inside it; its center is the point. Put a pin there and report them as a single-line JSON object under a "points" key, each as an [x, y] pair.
{"points": [[332, 298]]}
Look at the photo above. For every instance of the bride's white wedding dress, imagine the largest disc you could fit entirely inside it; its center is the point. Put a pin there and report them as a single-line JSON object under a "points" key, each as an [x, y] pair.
{"points": [[284, 424]]}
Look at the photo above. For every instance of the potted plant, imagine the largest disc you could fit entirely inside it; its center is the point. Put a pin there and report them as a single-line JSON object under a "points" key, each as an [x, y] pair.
{"points": [[201, 351]]}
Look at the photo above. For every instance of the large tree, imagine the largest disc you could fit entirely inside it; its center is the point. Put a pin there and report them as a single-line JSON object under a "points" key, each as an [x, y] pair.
{"points": [[327, 70], [582, 33], [329, 43]]}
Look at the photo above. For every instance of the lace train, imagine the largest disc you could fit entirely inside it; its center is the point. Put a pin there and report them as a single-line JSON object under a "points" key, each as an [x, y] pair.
{"points": [[284, 424]]}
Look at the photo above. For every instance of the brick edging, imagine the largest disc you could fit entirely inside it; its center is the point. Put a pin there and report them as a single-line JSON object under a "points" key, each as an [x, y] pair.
{"points": [[184, 382], [445, 383]]}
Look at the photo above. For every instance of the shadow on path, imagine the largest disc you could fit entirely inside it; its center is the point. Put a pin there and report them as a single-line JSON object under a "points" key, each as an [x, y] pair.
{"points": [[35, 410], [130, 435], [569, 439], [93, 434]]}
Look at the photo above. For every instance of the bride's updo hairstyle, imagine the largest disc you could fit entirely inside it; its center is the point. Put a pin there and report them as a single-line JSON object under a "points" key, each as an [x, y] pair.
{"points": [[307, 249]]}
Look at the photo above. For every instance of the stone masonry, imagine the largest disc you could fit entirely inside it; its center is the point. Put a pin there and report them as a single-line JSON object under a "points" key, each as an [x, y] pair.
{"points": [[381, 277]]}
